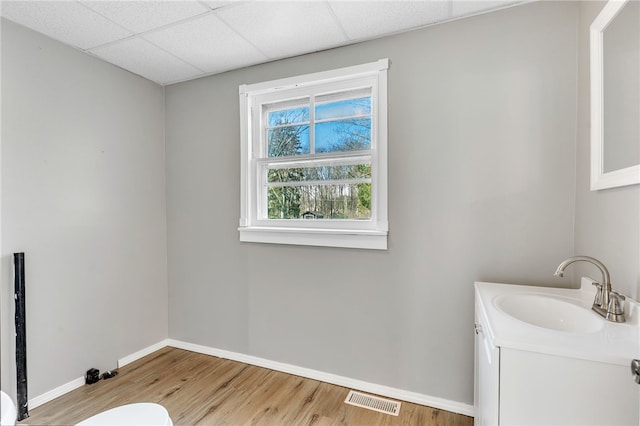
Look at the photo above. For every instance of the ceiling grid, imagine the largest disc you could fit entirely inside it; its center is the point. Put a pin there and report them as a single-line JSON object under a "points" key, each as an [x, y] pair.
{"points": [[172, 41]]}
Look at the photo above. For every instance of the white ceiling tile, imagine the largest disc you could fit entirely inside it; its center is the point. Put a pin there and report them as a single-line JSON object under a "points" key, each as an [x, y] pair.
{"points": [[214, 4], [66, 21], [183, 39], [208, 43], [468, 7], [143, 58], [140, 16], [285, 28], [369, 19]]}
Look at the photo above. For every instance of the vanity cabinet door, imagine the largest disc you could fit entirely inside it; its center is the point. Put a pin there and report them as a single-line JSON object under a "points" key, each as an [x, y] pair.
{"points": [[487, 380], [541, 389]]}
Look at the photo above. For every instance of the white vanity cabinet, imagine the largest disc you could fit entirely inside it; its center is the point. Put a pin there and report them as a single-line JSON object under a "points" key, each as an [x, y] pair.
{"points": [[517, 383], [487, 376]]}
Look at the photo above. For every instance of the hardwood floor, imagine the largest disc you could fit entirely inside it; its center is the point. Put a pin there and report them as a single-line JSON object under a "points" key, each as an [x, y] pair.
{"points": [[199, 389]]}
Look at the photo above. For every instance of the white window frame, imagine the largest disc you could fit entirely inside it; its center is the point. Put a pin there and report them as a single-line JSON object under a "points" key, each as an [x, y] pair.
{"points": [[366, 234]]}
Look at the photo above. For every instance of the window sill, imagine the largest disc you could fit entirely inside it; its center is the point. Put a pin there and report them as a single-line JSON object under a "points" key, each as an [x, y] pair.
{"points": [[373, 240]]}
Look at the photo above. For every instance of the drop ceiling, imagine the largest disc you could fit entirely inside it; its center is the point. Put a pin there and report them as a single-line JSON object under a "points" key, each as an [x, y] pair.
{"points": [[173, 41]]}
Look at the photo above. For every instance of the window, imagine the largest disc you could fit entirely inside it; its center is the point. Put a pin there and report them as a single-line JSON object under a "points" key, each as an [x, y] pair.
{"points": [[314, 159]]}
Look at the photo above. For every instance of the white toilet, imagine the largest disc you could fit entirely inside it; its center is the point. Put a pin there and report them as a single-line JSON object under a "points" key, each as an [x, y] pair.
{"points": [[8, 411], [139, 414]]}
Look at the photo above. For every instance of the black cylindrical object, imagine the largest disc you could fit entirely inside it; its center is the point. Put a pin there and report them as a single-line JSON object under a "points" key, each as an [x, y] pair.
{"points": [[21, 336]]}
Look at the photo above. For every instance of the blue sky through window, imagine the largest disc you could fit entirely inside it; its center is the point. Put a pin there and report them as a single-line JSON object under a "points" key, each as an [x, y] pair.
{"points": [[345, 108], [343, 135], [289, 116], [342, 125]]}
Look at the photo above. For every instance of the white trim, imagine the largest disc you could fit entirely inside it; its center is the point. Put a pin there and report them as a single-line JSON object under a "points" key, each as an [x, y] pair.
{"points": [[373, 240], [253, 224], [56, 392], [142, 353], [600, 179], [382, 150], [80, 381], [313, 78], [614, 179], [417, 398], [245, 158]]}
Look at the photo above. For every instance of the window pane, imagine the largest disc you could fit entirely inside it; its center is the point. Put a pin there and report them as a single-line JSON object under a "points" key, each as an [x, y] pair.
{"points": [[344, 108], [305, 174], [345, 201], [288, 116], [284, 203], [343, 135], [288, 140]]}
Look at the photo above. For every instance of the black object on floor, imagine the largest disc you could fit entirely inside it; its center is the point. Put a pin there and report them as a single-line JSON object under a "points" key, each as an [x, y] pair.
{"points": [[21, 337], [109, 374], [93, 376]]}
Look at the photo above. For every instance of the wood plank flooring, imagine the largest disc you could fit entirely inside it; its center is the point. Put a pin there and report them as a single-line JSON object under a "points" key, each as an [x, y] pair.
{"points": [[199, 389]]}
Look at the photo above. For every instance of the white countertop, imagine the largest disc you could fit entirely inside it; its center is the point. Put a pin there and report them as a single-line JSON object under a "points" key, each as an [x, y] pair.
{"points": [[614, 343]]}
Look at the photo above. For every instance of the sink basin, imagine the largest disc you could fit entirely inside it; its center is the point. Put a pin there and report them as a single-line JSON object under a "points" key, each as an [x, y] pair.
{"points": [[550, 312]]}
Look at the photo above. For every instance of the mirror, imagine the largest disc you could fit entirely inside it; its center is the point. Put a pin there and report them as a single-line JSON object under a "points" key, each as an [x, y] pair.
{"points": [[615, 95]]}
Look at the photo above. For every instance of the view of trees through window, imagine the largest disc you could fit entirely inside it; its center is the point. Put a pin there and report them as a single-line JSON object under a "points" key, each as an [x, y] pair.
{"points": [[330, 185]]}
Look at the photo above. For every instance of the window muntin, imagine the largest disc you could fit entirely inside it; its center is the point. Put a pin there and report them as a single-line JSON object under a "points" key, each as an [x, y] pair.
{"points": [[314, 147], [340, 122], [330, 191], [287, 128], [355, 173], [343, 121], [314, 134]]}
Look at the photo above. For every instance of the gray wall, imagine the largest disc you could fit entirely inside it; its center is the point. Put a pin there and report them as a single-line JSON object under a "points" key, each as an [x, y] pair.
{"points": [[484, 118], [83, 195], [607, 221], [482, 132]]}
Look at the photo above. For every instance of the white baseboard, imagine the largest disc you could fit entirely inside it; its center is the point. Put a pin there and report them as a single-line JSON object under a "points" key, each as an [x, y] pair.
{"points": [[54, 393], [417, 398], [76, 383], [142, 353]]}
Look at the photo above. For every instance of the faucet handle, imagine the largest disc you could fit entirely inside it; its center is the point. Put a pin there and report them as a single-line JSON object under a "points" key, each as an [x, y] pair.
{"points": [[618, 295], [615, 310], [599, 294]]}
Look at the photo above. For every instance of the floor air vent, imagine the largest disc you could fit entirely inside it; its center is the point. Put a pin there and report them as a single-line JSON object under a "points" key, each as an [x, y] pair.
{"points": [[373, 403]]}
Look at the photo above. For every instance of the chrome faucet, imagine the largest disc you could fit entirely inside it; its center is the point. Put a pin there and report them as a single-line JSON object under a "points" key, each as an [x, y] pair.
{"points": [[607, 302]]}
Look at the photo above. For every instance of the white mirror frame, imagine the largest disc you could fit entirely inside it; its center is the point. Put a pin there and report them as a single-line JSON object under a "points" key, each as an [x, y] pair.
{"points": [[615, 178]]}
